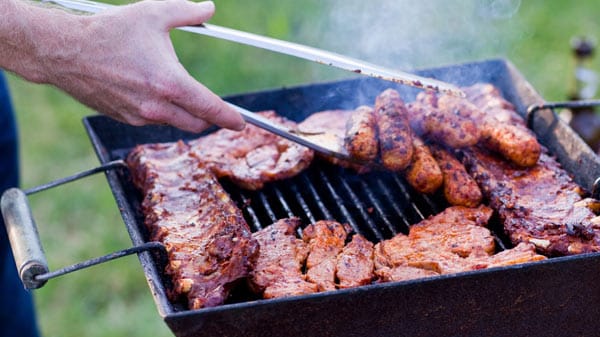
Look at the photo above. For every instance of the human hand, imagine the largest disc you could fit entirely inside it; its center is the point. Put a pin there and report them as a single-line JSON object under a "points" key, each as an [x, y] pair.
{"points": [[122, 63]]}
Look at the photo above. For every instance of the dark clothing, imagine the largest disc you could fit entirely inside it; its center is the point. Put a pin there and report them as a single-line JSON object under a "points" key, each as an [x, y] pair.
{"points": [[16, 306]]}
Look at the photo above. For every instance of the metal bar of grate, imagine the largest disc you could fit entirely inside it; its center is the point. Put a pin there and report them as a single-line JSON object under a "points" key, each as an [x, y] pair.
{"points": [[303, 203]]}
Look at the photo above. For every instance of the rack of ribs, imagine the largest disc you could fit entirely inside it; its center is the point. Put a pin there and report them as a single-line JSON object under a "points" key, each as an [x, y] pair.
{"points": [[540, 204], [208, 242]]}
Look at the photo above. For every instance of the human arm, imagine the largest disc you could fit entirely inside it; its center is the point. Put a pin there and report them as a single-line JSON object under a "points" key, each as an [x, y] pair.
{"points": [[120, 62]]}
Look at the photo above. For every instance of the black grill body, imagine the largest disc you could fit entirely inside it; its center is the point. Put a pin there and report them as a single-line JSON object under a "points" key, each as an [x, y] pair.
{"points": [[556, 297]]}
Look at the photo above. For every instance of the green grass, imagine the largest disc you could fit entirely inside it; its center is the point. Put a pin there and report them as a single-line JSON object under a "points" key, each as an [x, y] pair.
{"points": [[80, 220]]}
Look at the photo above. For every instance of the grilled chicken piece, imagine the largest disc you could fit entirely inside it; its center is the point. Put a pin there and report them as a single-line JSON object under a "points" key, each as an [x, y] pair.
{"points": [[541, 205], [278, 270], [209, 244], [395, 135], [423, 173], [252, 157], [325, 240], [460, 189], [361, 139], [445, 126], [354, 265]]}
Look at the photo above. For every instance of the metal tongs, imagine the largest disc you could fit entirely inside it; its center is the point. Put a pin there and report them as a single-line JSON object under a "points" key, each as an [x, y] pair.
{"points": [[310, 140]]}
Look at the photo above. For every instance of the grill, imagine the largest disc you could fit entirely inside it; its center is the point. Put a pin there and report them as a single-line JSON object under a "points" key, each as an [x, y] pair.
{"points": [[543, 298]]}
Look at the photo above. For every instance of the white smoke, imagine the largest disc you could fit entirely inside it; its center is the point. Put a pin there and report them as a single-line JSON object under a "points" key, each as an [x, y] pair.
{"points": [[408, 34]]}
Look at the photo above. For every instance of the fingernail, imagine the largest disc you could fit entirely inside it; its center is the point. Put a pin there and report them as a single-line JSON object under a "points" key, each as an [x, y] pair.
{"points": [[208, 5]]}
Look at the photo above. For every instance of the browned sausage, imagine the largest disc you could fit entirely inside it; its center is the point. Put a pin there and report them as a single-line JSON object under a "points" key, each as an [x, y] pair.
{"points": [[460, 189], [424, 173], [395, 135], [360, 139]]}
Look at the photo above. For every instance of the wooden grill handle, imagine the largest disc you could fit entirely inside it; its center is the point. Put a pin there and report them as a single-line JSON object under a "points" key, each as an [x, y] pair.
{"points": [[24, 238]]}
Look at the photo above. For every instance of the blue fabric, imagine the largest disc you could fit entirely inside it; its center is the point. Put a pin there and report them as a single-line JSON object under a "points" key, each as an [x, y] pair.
{"points": [[17, 316]]}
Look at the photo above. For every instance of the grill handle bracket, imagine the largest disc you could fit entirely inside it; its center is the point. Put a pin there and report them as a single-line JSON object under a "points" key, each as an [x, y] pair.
{"points": [[532, 109], [24, 238]]}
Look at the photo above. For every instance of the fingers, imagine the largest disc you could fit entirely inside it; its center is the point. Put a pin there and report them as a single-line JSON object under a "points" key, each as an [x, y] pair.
{"points": [[202, 103]]}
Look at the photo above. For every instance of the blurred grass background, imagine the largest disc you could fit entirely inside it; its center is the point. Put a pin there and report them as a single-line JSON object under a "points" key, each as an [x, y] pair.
{"points": [[80, 220]]}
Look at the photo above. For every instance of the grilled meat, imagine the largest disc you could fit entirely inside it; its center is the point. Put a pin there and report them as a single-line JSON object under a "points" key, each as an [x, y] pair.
{"points": [[278, 270], [423, 173], [252, 157], [354, 265], [361, 139], [540, 204], [208, 242], [510, 137], [459, 187], [332, 123], [441, 124], [449, 242], [395, 135], [325, 240]]}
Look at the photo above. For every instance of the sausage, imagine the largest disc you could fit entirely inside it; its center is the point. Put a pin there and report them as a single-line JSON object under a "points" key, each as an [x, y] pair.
{"points": [[360, 139], [395, 135], [424, 173], [460, 189]]}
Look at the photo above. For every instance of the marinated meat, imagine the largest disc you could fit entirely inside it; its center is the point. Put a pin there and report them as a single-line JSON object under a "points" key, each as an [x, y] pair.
{"points": [[209, 244], [459, 230], [361, 139], [252, 157], [522, 253], [445, 126], [423, 173], [449, 242], [395, 135], [354, 265], [541, 205], [278, 270], [459, 187], [325, 240]]}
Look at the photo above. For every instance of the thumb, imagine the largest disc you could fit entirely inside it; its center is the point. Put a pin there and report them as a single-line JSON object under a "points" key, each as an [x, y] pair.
{"points": [[187, 13]]}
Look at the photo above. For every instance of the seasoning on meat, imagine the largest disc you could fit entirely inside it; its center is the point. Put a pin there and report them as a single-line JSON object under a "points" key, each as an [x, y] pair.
{"points": [[459, 187], [354, 265], [252, 157], [444, 125], [449, 242], [541, 205], [395, 135], [278, 270], [423, 173], [361, 139], [325, 240], [209, 244]]}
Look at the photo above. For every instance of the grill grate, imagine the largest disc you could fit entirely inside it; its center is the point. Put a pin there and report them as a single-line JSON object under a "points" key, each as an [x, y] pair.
{"points": [[377, 205]]}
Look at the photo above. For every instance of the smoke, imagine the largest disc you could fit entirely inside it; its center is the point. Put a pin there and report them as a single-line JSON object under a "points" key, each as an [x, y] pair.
{"points": [[409, 34]]}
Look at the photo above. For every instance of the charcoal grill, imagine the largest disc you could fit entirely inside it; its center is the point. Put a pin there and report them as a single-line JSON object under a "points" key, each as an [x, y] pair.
{"points": [[558, 296]]}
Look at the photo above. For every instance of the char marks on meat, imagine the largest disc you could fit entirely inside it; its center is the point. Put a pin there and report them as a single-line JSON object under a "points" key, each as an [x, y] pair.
{"points": [[253, 156], [393, 128], [540, 204], [209, 244], [278, 270]]}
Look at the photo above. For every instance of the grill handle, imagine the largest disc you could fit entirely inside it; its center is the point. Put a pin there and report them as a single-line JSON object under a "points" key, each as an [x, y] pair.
{"points": [[24, 238], [25, 241]]}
